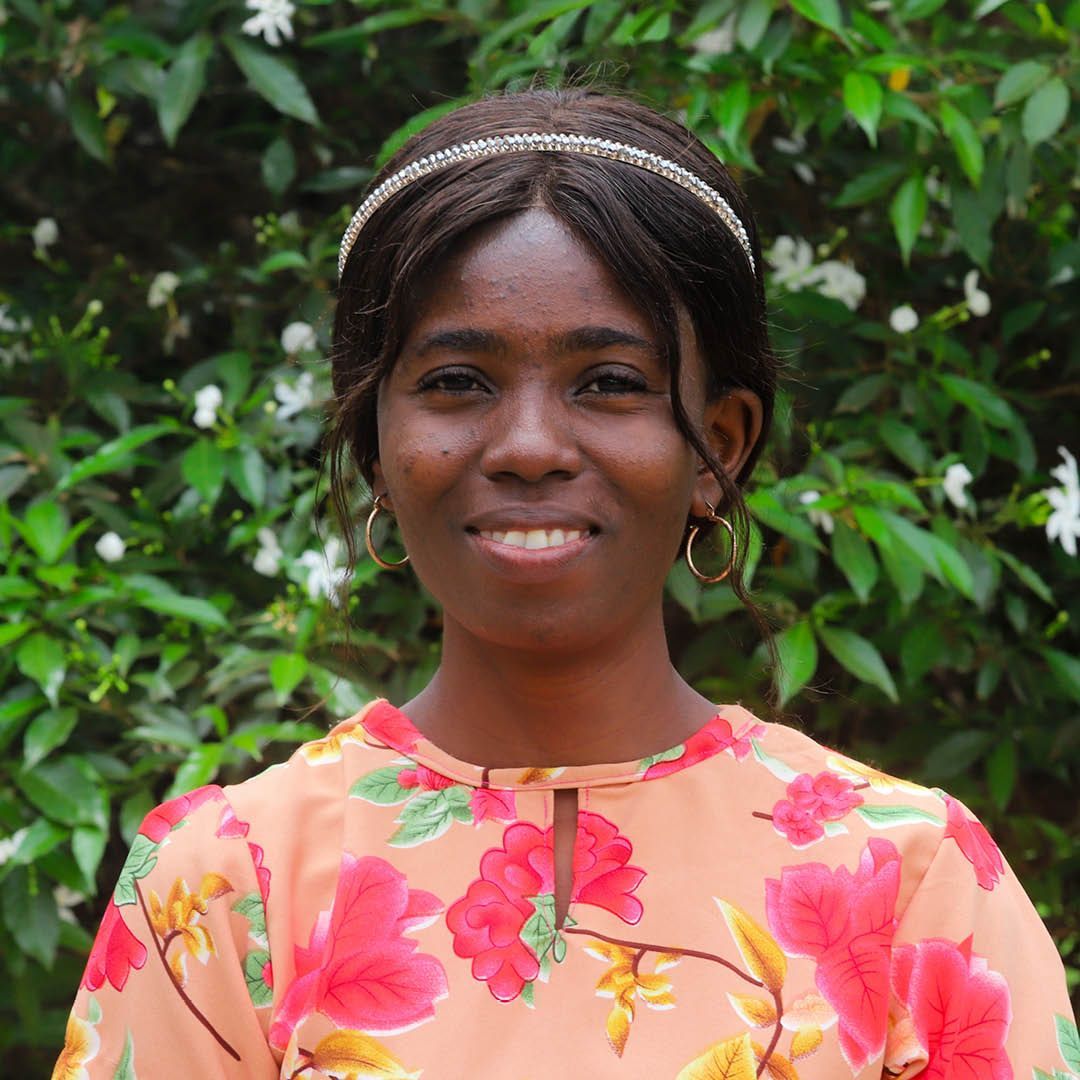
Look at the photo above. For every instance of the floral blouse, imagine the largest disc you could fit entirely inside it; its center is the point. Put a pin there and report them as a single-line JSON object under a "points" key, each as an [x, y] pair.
{"points": [[745, 904]]}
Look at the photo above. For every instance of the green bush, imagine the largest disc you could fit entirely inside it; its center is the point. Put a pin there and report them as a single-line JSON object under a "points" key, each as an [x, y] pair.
{"points": [[174, 186]]}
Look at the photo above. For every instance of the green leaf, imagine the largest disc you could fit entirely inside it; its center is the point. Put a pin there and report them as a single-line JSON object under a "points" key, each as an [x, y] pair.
{"points": [[938, 557], [39, 839], [823, 12], [905, 443], [1019, 81], [428, 815], [768, 509], [533, 15], [860, 657], [907, 211], [141, 859], [1045, 111], [278, 166], [753, 21], [203, 467], [381, 787], [191, 608], [853, 555], [114, 455], [966, 142], [251, 907], [870, 185], [980, 399], [43, 660], [45, 527], [65, 790], [182, 85], [1027, 575], [10, 632], [87, 127], [125, 1067], [88, 847], [30, 915], [283, 260], [46, 732], [863, 98], [287, 671], [1001, 770], [1068, 1040], [956, 754], [273, 79], [247, 473], [889, 817], [797, 656], [1065, 669], [254, 966]]}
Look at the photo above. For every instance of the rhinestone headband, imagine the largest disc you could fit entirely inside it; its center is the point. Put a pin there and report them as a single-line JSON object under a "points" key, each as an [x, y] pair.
{"points": [[514, 144]]}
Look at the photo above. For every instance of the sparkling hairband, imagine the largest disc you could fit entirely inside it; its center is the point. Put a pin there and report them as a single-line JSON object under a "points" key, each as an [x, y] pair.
{"points": [[512, 144]]}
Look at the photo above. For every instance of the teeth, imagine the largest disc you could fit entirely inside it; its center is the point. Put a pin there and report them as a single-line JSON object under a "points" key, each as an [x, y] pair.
{"points": [[533, 539]]}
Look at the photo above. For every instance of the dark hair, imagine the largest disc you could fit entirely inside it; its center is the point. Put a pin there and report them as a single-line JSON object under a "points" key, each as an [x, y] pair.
{"points": [[662, 244]]}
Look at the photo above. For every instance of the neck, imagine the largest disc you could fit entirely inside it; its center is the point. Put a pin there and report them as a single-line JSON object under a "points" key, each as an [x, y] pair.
{"points": [[610, 701]]}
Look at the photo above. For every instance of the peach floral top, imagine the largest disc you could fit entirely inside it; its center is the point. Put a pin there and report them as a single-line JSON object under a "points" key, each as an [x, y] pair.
{"points": [[745, 904]]}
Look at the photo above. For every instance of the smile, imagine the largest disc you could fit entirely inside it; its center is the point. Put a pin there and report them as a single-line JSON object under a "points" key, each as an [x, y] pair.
{"points": [[532, 539]]}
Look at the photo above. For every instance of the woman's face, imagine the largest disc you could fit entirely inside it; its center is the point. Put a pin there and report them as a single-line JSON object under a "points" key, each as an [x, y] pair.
{"points": [[527, 445]]}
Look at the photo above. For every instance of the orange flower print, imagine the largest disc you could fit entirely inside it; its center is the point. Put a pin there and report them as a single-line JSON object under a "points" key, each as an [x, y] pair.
{"points": [[81, 1044], [329, 749], [177, 920]]}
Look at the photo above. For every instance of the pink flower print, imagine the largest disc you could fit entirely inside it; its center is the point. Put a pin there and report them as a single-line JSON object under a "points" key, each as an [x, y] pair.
{"points": [[163, 819], [796, 824], [358, 969], [424, 779], [116, 951], [390, 727], [488, 803], [487, 921], [845, 922], [230, 826], [976, 844], [960, 1009], [262, 873], [706, 742], [825, 797]]}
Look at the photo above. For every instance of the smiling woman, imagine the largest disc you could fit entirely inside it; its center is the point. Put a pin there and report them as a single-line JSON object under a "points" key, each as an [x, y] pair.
{"points": [[559, 859]]}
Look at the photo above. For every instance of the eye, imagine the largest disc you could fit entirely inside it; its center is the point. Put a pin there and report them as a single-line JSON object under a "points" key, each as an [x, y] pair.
{"points": [[451, 381], [616, 381]]}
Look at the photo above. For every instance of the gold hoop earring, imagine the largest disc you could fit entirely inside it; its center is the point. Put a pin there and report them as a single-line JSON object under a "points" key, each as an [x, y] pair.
{"points": [[376, 509], [691, 536]]}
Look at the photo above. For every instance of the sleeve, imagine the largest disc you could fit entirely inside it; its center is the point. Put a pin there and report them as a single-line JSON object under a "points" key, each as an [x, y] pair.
{"points": [[177, 979], [978, 987]]}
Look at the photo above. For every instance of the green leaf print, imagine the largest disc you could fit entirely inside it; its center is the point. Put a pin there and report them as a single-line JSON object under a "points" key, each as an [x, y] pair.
{"points": [[428, 815], [251, 907], [142, 858], [254, 967], [125, 1067], [93, 1011], [774, 765], [888, 817], [1068, 1040], [381, 787], [665, 755], [541, 934], [528, 994]]}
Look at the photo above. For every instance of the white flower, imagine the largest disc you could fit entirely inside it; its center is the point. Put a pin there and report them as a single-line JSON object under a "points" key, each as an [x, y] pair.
{"points": [[110, 547], [298, 337], [904, 319], [10, 844], [1064, 523], [66, 899], [821, 518], [162, 288], [296, 397], [272, 19], [719, 41], [45, 233], [793, 146], [977, 301], [207, 402], [325, 576], [791, 260], [957, 478], [840, 281], [268, 557]]}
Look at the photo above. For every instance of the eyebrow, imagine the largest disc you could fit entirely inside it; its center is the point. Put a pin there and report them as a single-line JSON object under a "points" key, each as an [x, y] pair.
{"points": [[582, 339]]}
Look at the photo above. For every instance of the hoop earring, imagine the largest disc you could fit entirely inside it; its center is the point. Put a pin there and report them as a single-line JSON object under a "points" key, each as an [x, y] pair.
{"points": [[716, 519], [376, 509]]}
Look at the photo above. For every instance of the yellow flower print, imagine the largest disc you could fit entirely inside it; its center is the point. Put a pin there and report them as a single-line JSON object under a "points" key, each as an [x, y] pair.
{"points": [[626, 983], [879, 781], [81, 1044], [352, 1055], [327, 750], [178, 919]]}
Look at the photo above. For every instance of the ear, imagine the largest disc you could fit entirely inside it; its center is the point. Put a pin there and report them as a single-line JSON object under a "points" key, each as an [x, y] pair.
{"points": [[379, 488], [731, 426]]}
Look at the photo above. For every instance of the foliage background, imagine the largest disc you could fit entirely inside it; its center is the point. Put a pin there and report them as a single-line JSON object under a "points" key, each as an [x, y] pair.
{"points": [[904, 143]]}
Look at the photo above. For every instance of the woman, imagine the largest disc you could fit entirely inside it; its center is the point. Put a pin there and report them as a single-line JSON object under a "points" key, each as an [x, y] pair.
{"points": [[551, 365]]}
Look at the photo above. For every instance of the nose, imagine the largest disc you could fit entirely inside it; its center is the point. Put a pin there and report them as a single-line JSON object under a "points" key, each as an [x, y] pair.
{"points": [[530, 436]]}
